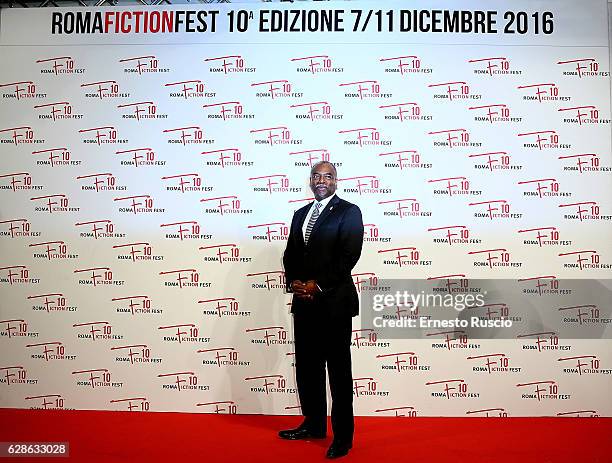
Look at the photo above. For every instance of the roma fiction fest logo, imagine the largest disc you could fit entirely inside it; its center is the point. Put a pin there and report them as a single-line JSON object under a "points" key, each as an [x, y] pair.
{"points": [[543, 140], [275, 89], [494, 161], [96, 331], [273, 279], [494, 363], [494, 66], [542, 92], [583, 210], [47, 402], [49, 351], [406, 256], [584, 314], [272, 231], [187, 89], [450, 339], [22, 90], [406, 411], [138, 204], [453, 91], [453, 186], [140, 157], [544, 285], [495, 209], [497, 311], [364, 136], [56, 157], [582, 68], [97, 276], [133, 404], [53, 204], [223, 307], [453, 138], [134, 354], [543, 341], [224, 205], [367, 386], [454, 283], [543, 236], [269, 384], [95, 378], [136, 305], [453, 235], [366, 338], [188, 135], [363, 185], [404, 207], [408, 111], [59, 110], [230, 64], [368, 281], [493, 113], [455, 388], [103, 181], [52, 250], [104, 89], [275, 183], [227, 110], [313, 156], [185, 183], [184, 278], [543, 188], [363, 89], [406, 159], [224, 253], [583, 365], [226, 157], [97, 229], [22, 135], [16, 328], [228, 407], [17, 274], [401, 362], [51, 302], [59, 65], [223, 357], [316, 64], [372, 234], [182, 333], [494, 258], [582, 115], [315, 111], [16, 375], [273, 136], [18, 181], [16, 228], [585, 259], [185, 230], [102, 135], [405, 65], [182, 381], [141, 110], [541, 390], [583, 163], [139, 65], [137, 251]]}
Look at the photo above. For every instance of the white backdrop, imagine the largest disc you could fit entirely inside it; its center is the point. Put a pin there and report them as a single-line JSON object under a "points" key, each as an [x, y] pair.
{"points": [[109, 307]]}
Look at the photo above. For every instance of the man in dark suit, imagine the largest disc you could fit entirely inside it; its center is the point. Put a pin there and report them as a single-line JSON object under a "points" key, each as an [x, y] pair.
{"points": [[324, 245]]}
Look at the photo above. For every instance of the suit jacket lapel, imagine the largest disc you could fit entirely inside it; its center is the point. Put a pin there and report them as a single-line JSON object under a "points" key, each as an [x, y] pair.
{"points": [[326, 212]]}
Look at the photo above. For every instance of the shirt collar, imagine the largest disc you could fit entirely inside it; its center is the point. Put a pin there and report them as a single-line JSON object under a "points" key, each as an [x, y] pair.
{"points": [[325, 201]]}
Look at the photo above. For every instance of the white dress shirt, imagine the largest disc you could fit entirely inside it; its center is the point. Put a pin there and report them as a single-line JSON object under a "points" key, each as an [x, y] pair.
{"points": [[312, 208]]}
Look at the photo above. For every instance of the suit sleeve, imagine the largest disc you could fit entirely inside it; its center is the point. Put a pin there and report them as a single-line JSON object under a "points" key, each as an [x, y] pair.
{"points": [[289, 256], [350, 242]]}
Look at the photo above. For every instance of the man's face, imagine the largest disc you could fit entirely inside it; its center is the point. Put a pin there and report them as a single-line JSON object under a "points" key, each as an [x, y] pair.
{"points": [[323, 182]]}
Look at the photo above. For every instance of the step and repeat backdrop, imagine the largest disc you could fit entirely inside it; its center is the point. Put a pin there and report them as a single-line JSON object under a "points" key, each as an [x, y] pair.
{"points": [[151, 161]]}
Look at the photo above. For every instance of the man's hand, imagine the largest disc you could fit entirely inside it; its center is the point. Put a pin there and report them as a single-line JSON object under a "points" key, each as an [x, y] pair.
{"points": [[306, 290]]}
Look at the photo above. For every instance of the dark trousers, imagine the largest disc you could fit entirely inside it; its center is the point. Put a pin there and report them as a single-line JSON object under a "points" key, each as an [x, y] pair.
{"points": [[320, 341]]}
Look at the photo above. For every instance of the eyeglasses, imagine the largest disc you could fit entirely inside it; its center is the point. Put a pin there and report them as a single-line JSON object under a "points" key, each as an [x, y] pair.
{"points": [[317, 177]]}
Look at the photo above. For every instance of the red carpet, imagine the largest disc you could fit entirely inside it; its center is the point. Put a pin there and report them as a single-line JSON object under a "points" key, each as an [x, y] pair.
{"points": [[182, 437]]}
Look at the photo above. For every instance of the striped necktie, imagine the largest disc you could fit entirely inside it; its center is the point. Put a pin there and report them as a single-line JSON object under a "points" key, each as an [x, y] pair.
{"points": [[311, 222]]}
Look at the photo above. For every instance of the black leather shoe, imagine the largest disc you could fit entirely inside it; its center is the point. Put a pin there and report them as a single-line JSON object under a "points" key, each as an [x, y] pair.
{"points": [[338, 449], [300, 433]]}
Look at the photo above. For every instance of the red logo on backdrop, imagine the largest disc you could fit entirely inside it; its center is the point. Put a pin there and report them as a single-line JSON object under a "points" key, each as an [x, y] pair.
{"points": [[57, 157], [102, 135], [488, 412], [492, 66], [223, 306], [228, 64], [99, 229], [401, 360], [364, 89], [543, 92], [591, 362], [280, 135], [17, 274], [19, 181], [18, 227], [187, 182], [184, 380], [20, 135], [104, 89], [453, 388], [12, 331], [543, 139], [584, 210], [365, 136], [316, 64], [543, 236], [405, 112], [495, 160], [184, 278], [189, 229], [58, 110], [494, 113], [585, 259], [142, 110], [23, 89], [192, 134], [49, 401], [61, 65], [136, 353], [223, 406], [455, 234], [54, 350], [586, 162], [453, 138], [449, 336], [405, 159], [588, 114], [541, 390], [495, 209], [275, 89], [407, 64], [190, 89], [101, 374], [138, 404], [226, 205], [457, 90], [584, 67], [314, 156], [498, 362], [140, 157], [54, 250], [274, 279], [404, 257], [55, 203], [227, 157], [137, 304], [53, 301], [273, 231], [398, 411], [143, 65], [99, 276]]}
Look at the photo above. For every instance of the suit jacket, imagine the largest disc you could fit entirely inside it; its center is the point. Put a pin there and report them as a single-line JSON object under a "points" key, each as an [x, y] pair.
{"points": [[333, 249]]}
